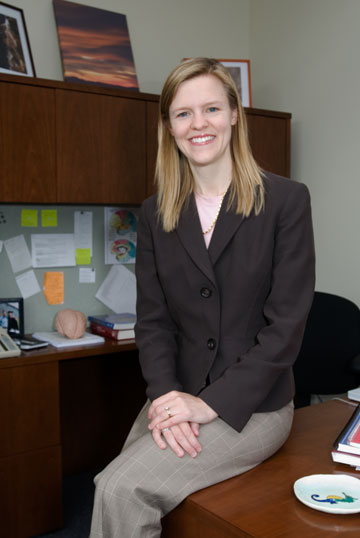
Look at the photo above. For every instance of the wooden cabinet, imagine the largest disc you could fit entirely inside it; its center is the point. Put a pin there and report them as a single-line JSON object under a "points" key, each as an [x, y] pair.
{"points": [[53, 422], [100, 147], [269, 135], [68, 143], [30, 451], [27, 144]]}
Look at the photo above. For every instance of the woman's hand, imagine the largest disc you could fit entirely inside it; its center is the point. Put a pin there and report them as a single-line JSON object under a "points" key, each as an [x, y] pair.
{"points": [[180, 438], [177, 407]]}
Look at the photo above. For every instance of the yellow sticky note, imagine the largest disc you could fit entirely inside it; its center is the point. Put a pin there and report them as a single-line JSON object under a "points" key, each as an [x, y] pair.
{"points": [[48, 217], [54, 287], [29, 217], [83, 256]]}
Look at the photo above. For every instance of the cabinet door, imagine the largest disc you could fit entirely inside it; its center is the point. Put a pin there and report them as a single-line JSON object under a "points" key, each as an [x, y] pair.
{"points": [[30, 493], [27, 144], [100, 147], [29, 411], [30, 451], [269, 138]]}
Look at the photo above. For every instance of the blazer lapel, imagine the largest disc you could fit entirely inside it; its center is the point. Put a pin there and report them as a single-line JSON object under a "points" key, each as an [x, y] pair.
{"points": [[190, 234], [227, 224]]}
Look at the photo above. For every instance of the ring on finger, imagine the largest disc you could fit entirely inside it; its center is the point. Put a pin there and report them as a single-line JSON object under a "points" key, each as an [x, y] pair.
{"points": [[167, 409], [165, 430]]}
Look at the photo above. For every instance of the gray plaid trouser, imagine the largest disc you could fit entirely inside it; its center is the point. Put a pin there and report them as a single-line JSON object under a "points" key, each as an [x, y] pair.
{"points": [[144, 482]]}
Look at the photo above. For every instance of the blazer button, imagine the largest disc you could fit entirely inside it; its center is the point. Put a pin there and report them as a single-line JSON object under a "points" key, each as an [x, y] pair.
{"points": [[205, 292], [211, 343]]}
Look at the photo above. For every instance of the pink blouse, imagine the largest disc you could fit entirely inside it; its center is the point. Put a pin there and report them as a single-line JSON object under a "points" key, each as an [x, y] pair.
{"points": [[207, 207]]}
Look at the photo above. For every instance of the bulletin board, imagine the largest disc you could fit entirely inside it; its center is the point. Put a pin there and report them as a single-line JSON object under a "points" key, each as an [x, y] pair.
{"points": [[106, 255]]}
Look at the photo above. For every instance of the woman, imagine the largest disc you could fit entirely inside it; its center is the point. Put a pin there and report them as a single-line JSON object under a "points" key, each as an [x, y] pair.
{"points": [[225, 276]]}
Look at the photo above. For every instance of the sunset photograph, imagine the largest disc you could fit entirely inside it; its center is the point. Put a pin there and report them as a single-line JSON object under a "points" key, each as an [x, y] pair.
{"points": [[95, 46]]}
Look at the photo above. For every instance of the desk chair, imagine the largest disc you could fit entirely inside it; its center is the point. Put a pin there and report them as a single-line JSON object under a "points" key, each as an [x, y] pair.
{"points": [[329, 358]]}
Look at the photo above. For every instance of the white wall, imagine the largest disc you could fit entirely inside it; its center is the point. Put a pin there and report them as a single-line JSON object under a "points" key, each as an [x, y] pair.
{"points": [[162, 32], [305, 60]]}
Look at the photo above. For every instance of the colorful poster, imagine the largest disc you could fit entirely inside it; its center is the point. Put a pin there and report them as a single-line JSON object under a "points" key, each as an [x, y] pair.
{"points": [[120, 234]]}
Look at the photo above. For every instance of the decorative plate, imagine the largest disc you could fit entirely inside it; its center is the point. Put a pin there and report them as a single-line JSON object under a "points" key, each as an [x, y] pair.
{"points": [[337, 494]]}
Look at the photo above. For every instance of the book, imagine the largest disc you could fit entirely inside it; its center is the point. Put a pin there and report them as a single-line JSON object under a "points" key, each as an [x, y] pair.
{"points": [[354, 394], [115, 334], [354, 438], [117, 322], [343, 441], [344, 457], [59, 340]]}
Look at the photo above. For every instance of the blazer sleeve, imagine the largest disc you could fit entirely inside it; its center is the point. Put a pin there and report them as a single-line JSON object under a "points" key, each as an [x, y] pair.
{"points": [[246, 384], [155, 331]]}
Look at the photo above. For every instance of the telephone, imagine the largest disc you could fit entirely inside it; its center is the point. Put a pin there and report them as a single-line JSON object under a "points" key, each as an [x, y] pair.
{"points": [[8, 348]]}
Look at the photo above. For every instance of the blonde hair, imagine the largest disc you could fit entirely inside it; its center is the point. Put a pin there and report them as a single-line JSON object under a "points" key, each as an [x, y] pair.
{"points": [[173, 173]]}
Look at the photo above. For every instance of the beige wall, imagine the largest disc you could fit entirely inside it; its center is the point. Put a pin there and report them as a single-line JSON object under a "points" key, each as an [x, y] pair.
{"points": [[162, 32], [305, 60]]}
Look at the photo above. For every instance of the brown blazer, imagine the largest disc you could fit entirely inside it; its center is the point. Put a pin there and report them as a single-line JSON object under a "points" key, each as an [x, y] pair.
{"points": [[226, 323]]}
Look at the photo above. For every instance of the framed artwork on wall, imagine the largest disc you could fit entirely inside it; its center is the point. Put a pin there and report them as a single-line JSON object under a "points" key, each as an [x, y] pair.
{"points": [[240, 72], [95, 46], [15, 52]]}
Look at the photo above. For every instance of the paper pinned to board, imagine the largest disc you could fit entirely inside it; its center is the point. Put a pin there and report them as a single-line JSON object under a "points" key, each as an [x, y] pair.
{"points": [[120, 234], [28, 284], [82, 256], [87, 275], [54, 287], [83, 235], [49, 218], [18, 252], [118, 290], [53, 250], [29, 218]]}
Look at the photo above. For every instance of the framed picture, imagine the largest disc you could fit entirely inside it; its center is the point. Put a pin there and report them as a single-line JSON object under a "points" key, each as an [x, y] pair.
{"points": [[15, 53], [95, 46], [12, 316], [240, 72]]}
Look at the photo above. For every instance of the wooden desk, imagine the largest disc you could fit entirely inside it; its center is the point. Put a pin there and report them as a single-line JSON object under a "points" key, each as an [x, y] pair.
{"points": [[70, 410], [261, 503], [61, 411]]}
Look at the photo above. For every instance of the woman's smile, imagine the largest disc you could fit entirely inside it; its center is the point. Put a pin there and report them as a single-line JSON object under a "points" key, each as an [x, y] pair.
{"points": [[201, 140]]}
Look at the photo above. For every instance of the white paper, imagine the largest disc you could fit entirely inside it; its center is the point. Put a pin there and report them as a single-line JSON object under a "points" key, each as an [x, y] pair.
{"points": [[120, 234], [1, 246], [53, 250], [83, 237], [18, 252], [86, 275], [28, 284], [118, 291], [60, 340]]}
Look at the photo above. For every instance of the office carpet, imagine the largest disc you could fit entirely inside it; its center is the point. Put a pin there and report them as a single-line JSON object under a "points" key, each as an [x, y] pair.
{"points": [[78, 496]]}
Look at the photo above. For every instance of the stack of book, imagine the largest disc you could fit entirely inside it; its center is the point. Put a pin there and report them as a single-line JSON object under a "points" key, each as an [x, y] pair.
{"points": [[347, 444], [115, 326]]}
